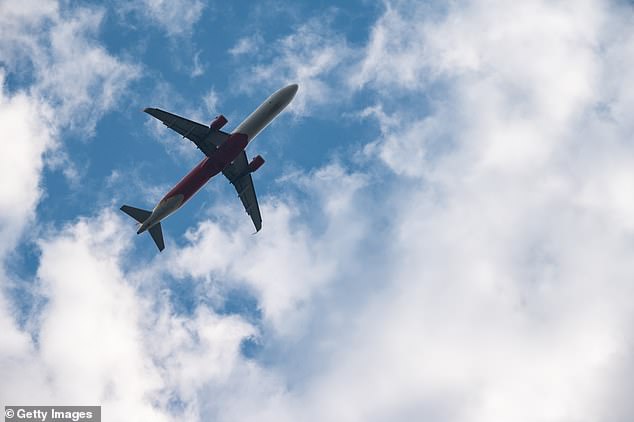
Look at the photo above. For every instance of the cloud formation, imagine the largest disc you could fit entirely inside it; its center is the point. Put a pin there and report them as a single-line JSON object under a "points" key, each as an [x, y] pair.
{"points": [[69, 69], [100, 341], [175, 17], [27, 138], [312, 56], [508, 251]]}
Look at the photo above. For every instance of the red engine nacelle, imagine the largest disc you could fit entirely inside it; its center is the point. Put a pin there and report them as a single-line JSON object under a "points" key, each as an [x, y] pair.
{"points": [[255, 164], [218, 122]]}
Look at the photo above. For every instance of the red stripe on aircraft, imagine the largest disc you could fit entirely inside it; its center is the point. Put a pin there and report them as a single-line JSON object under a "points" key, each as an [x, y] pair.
{"points": [[209, 167]]}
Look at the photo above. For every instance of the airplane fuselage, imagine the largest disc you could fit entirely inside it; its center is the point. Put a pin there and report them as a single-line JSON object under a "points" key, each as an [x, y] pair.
{"points": [[210, 166]]}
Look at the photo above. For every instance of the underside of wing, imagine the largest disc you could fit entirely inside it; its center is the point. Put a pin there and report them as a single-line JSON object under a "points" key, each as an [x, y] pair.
{"points": [[241, 180], [205, 138]]}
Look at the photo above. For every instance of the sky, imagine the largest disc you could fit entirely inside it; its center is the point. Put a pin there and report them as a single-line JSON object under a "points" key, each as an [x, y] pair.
{"points": [[447, 204]]}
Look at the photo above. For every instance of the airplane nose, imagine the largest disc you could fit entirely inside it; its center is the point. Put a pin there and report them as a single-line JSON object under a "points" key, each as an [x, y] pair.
{"points": [[292, 89]]}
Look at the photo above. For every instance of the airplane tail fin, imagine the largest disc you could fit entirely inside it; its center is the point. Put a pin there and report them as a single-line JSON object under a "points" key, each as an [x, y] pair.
{"points": [[141, 215], [136, 213], [157, 236]]}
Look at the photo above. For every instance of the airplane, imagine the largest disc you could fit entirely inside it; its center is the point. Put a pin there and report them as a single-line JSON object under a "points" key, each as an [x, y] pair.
{"points": [[224, 152]]}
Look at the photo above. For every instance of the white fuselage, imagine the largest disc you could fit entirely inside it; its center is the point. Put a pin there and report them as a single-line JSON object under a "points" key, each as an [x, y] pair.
{"points": [[266, 112]]}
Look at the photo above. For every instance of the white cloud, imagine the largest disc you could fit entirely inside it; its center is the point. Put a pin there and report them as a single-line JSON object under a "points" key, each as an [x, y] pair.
{"points": [[175, 17], [502, 290], [395, 51], [310, 56], [71, 71], [211, 100], [27, 136], [509, 256], [100, 341], [199, 68], [20, 21], [246, 45], [79, 77], [287, 263]]}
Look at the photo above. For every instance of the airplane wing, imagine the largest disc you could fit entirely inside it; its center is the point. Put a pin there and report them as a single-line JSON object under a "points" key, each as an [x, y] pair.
{"points": [[243, 183], [205, 138]]}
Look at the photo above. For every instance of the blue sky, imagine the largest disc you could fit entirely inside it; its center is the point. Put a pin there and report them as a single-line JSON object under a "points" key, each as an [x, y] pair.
{"points": [[447, 205]]}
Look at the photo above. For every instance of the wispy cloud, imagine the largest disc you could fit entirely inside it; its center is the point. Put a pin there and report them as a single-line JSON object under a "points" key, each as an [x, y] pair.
{"points": [[212, 101], [176, 17], [309, 56], [71, 71], [198, 68], [246, 45]]}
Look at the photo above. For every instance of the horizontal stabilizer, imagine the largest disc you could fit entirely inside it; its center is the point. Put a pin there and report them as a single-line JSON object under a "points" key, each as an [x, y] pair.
{"points": [[136, 213], [157, 236]]}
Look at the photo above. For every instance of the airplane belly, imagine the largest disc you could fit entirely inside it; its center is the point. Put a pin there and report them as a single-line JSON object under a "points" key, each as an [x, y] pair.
{"points": [[228, 151], [208, 168], [194, 180]]}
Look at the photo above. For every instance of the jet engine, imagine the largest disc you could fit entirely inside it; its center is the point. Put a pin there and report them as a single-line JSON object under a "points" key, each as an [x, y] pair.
{"points": [[255, 164], [218, 122]]}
